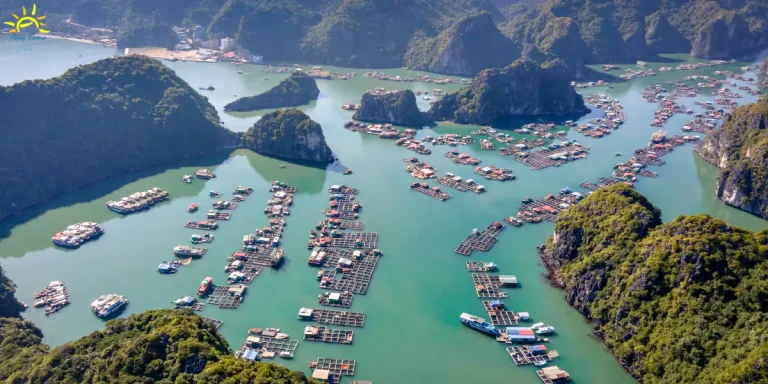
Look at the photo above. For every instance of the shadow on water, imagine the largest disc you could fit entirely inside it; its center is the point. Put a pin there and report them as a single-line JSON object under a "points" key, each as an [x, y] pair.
{"points": [[103, 188], [514, 122], [308, 177]]}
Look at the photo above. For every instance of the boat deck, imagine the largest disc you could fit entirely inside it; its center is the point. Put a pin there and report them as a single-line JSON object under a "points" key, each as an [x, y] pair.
{"points": [[221, 298], [341, 318], [337, 367], [367, 240], [524, 356], [345, 301], [216, 323], [331, 336]]}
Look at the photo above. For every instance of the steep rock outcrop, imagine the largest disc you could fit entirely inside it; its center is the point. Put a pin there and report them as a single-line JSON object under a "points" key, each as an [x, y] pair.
{"points": [[297, 89], [522, 88], [740, 150], [643, 284], [395, 107], [469, 46], [728, 36], [764, 67], [288, 134], [103, 119], [662, 37]]}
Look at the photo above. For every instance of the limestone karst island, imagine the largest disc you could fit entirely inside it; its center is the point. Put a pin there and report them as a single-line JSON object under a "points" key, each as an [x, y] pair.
{"points": [[384, 191]]}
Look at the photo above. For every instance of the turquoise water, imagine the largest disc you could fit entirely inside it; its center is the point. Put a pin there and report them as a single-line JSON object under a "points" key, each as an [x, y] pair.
{"points": [[412, 334]]}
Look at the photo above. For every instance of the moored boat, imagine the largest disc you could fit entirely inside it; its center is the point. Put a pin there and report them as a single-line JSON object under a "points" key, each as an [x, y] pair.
{"points": [[479, 324], [205, 286]]}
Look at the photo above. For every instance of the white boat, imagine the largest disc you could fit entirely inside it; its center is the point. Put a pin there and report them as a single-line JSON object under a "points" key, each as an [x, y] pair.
{"points": [[187, 179], [545, 330], [540, 363], [286, 354]]}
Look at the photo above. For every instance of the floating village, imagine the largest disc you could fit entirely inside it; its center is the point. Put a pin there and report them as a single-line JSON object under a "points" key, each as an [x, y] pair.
{"points": [[343, 256]]}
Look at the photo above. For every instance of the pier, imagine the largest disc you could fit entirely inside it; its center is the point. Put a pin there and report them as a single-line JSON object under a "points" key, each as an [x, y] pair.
{"points": [[332, 370], [342, 300], [480, 241], [332, 317], [435, 192], [328, 335]]}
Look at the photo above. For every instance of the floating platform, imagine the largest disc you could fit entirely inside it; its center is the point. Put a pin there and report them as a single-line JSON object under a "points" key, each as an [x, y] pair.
{"points": [[224, 299], [333, 317], [545, 158], [356, 279], [480, 266], [366, 240], [223, 206], [344, 299], [335, 368], [340, 215], [343, 224], [343, 189], [216, 323], [480, 241], [219, 215], [431, 192], [523, 355], [328, 335], [206, 225], [272, 345], [501, 317]]}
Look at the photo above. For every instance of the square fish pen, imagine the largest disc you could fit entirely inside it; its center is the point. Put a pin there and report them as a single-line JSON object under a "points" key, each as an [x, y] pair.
{"points": [[328, 335], [500, 317], [355, 240], [223, 299], [356, 281], [524, 355], [344, 299], [332, 317], [477, 266], [336, 367]]}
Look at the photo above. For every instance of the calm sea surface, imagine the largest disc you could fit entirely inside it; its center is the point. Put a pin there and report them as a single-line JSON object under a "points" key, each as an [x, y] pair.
{"points": [[412, 333]]}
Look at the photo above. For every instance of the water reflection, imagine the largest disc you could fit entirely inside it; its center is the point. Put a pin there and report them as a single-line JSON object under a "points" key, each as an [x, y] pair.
{"points": [[309, 178], [32, 235]]}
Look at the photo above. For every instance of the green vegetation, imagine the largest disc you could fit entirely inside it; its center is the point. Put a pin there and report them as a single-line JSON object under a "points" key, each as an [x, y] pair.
{"points": [[522, 88], [148, 36], [599, 31], [297, 89], [275, 32], [740, 149], [466, 48], [102, 119], [160, 346], [288, 134], [398, 107], [682, 302]]}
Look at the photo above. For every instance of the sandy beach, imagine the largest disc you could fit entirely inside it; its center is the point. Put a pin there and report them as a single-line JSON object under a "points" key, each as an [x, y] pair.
{"points": [[162, 53]]}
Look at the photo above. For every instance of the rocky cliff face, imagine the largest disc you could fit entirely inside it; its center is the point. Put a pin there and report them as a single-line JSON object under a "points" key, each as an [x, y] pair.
{"points": [[662, 37], [740, 150], [642, 284], [469, 46], [764, 67], [726, 37], [397, 107], [523, 88], [103, 119], [288, 134], [297, 89]]}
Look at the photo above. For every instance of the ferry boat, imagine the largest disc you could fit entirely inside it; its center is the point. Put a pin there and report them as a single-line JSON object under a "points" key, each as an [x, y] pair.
{"points": [[77, 234], [479, 324], [205, 286], [183, 250], [108, 304], [204, 174], [192, 208]]}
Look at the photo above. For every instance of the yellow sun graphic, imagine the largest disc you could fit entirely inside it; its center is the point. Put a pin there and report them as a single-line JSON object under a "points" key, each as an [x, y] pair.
{"points": [[27, 21]]}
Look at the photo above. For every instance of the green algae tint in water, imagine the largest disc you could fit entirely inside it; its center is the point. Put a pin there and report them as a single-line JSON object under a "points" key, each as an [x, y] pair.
{"points": [[412, 333]]}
